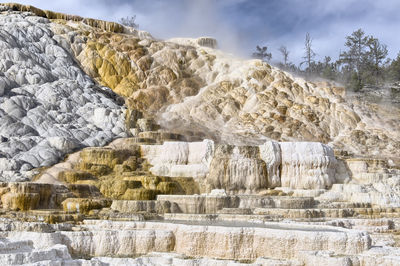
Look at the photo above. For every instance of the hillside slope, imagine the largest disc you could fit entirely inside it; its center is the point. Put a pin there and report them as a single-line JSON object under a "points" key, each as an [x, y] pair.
{"points": [[51, 104], [200, 91]]}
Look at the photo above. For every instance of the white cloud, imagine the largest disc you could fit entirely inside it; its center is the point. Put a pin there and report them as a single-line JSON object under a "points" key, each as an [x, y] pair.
{"points": [[327, 21]]}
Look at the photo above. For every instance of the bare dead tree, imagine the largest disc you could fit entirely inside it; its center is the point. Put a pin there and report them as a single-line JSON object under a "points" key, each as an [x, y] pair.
{"points": [[309, 54], [285, 54], [129, 21]]}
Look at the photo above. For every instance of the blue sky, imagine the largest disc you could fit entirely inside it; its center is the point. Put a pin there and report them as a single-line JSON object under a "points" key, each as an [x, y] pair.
{"points": [[240, 25]]}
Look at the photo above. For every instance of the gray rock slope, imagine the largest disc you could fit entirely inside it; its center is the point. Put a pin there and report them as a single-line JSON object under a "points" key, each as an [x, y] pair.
{"points": [[48, 105]]}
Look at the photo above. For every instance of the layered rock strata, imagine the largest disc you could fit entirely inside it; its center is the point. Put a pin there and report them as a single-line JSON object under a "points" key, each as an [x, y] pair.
{"points": [[175, 159], [130, 170], [102, 238], [246, 169], [212, 204], [29, 196]]}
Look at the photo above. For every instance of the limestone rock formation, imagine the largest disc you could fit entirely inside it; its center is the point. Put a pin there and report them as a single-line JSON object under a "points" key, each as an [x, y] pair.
{"points": [[180, 159], [48, 105], [188, 88], [120, 171], [307, 165], [245, 169], [205, 93], [270, 153], [29, 196], [127, 238], [237, 169], [141, 151]]}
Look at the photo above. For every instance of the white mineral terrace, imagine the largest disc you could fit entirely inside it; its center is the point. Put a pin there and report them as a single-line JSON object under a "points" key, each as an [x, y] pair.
{"points": [[120, 149]]}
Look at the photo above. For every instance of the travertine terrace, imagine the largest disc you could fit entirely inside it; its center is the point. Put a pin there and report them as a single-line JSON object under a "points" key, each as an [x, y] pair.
{"points": [[120, 149]]}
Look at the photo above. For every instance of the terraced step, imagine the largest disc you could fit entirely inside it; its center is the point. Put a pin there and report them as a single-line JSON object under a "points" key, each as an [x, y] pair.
{"points": [[21, 252], [160, 137], [134, 206], [7, 246], [210, 204], [222, 240], [235, 211], [305, 213]]}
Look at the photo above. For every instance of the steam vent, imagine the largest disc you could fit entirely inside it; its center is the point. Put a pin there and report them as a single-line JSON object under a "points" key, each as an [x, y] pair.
{"points": [[120, 149]]}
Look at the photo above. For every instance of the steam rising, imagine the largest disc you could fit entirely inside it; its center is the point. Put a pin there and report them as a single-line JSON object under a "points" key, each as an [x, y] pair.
{"points": [[202, 19]]}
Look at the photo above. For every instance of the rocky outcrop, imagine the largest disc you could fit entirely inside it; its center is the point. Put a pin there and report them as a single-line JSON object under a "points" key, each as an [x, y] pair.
{"points": [[188, 88], [383, 193], [48, 105], [214, 203], [101, 24], [307, 165], [237, 169], [368, 170], [245, 169], [23, 252], [270, 153], [101, 238], [85, 205], [205, 93], [29, 196], [134, 206], [116, 171], [369, 181], [180, 159], [202, 41]]}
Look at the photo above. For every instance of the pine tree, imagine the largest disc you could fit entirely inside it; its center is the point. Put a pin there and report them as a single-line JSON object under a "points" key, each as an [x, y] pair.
{"points": [[355, 57], [394, 69], [329, 69], [261, 53], [377, 54]]}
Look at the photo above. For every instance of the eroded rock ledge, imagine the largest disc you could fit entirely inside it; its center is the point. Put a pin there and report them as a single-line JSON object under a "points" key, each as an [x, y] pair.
{"points": [[246, 169], [96, 23]]}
